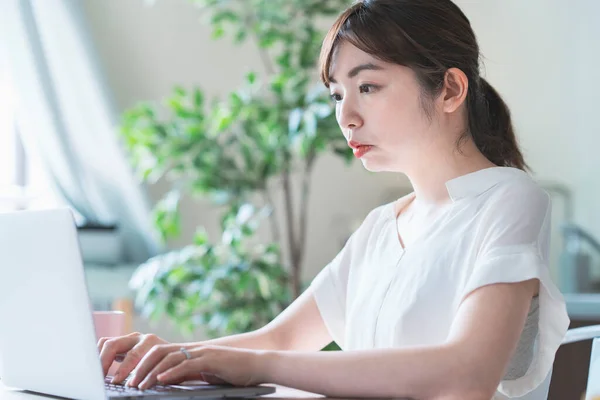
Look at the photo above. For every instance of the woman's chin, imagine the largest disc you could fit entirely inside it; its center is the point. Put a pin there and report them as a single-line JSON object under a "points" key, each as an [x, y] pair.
{"points": [[377, 161], [372, 165], [377, 164]]}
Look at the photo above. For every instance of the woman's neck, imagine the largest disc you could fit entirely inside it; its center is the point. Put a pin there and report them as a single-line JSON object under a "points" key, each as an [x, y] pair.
{"points": [[429, 178]]}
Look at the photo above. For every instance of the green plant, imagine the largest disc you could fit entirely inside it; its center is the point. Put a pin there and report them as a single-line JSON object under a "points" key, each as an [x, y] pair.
{"points": [[238, 150]]}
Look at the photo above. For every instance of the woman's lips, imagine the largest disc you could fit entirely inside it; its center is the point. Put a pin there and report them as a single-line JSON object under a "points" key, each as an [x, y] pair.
{"points": [[361, 150]]}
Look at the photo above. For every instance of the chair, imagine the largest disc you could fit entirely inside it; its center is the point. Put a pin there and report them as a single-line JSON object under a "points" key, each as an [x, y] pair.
{"points": [[593, 385], [587, 333]]}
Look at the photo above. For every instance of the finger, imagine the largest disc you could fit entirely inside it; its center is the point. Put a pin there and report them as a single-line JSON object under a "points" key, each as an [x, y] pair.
{"points": [[101, 343], [112, 347], [134, 357], [182, 371], [169, 361], [129, 361], [152, 358]]}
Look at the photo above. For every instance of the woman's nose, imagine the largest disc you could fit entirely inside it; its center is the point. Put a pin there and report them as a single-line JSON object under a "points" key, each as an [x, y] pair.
{"points": [[348, 116]]}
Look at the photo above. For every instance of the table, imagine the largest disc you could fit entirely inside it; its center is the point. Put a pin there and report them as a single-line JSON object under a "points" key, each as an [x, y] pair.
{"points": [[282, 393]]}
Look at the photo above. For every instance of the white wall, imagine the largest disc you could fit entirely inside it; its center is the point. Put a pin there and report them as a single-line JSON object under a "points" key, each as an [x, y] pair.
{"points": [[542, 56], [586, 130]]}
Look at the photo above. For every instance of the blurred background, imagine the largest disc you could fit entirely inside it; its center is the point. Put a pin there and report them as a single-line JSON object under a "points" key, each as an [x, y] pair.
{"points": [[201, 159]]}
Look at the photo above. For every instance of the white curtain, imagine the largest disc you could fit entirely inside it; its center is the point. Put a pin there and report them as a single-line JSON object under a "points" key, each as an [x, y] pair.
{"points": [[65, 111]]}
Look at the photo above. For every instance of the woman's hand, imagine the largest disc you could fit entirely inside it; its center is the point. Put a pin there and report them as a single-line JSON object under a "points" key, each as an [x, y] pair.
{"points": [[168, 364], [135, 345]]}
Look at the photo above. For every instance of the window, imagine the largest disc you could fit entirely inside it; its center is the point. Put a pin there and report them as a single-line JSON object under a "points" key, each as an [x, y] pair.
{"points": [[23, 183]]}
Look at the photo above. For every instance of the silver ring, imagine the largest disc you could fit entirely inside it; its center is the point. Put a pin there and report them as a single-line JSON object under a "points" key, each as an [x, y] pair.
{"points": [[186, 353]]}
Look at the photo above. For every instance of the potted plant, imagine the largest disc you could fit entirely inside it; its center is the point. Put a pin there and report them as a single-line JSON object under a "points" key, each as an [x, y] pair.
{"points": [[237, 150]]}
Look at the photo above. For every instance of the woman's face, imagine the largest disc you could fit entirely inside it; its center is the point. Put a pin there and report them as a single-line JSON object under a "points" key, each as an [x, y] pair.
{"points": [[379, 104]]}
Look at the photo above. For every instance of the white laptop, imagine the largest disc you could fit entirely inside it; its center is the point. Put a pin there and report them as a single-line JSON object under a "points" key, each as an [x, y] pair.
{"points": [[47, 337]]}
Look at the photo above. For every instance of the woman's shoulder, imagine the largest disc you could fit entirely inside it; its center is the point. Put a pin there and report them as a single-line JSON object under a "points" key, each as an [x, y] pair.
{"points": [[515, 208], [521, 195]]}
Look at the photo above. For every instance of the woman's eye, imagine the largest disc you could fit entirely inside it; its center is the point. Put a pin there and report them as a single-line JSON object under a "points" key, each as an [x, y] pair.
{"points": [[335, 97], [366, 88]]}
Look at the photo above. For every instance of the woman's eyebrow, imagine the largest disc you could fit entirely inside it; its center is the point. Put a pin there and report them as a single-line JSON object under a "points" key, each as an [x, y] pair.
{"points": [[356, 70]]}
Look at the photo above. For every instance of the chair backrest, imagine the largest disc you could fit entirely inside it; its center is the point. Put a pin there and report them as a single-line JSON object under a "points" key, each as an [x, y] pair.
{"points": [[587, 333], [593, 385]]}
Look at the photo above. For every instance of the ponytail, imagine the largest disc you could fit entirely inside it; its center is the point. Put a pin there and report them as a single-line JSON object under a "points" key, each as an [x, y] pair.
{"points": [[490, 126]]}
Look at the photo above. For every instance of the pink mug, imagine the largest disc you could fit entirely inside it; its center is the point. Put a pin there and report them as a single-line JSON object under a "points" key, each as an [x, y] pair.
{"points": [[109, 324]]}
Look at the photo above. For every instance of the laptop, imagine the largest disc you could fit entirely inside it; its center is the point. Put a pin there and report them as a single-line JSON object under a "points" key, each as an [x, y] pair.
{"points": [[47, 336]]}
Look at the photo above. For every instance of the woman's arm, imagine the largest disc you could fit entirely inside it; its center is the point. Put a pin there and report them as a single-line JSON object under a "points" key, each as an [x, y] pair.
{"points": [[298, 328], [470, 365]]}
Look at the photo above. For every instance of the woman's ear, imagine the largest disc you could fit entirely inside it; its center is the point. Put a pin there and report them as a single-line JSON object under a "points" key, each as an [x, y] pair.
{"points": [[456, 86]]}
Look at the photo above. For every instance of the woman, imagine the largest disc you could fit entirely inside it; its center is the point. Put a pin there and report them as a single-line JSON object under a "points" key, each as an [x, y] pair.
{"points": [[443, 294]]}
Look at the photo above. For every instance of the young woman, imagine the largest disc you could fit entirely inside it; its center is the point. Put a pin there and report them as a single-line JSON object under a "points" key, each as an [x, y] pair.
{"points": [[442, 294]]}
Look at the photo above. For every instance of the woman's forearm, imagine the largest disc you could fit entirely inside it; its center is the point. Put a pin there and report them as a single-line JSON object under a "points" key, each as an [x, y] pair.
{"points": [[260, 339], [420, 373]]}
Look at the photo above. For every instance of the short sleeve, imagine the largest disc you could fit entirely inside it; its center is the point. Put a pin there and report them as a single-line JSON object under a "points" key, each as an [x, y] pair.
{"points": [[515, 248], [330, 286]]}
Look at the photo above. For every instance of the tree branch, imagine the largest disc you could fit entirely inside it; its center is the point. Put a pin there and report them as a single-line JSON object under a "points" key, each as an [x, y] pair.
{"points": [[273, 217], [250, 21], [289, 209], [304, 204]]}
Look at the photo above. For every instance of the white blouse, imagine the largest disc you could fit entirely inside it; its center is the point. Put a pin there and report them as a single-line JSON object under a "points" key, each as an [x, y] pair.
{"points": [[377, 294]]}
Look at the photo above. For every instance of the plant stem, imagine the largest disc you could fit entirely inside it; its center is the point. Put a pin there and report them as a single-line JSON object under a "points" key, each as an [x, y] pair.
{"points": [[273, 216], [289, 209], [250, 21], [304, 205], [266, 61]]}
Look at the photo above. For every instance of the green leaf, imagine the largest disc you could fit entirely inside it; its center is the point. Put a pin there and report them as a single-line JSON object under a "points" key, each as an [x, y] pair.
{"points": [[295, 118], [285, 60], [247, 154], [267, 39], [272, 248], [179, 91], [201, 236], [235, 99], [314, 92], [217, 320], [198, 98], [321, 110], [166, 215], [240, 36], [171, 200], [266, 171], [247, 230], [251, 77], [218, 32], [263, 285], [244, 214], [225, 16], [310, 123]]}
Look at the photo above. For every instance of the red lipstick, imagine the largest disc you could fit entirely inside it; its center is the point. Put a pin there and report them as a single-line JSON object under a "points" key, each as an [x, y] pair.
{"points": [[359, 148]]}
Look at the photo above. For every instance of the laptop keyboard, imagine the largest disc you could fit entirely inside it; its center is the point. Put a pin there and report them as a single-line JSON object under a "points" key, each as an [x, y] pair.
{"points": [[115, 390]]}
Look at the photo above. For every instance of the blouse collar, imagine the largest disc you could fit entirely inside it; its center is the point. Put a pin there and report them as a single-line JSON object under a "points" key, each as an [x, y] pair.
{"points": [[478, 182]]}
